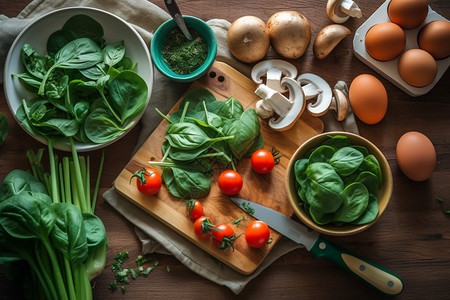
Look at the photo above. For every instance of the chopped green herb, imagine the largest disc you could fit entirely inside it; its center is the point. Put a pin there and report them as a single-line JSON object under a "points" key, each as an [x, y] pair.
{"points": [[441, 201], [121, 274], [238, 221], [247, 208], [270, 241], [147, 271], [182, 55], [167, 268]]}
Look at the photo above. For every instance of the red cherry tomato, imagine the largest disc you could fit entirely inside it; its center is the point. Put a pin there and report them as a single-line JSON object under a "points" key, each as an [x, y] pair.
{"points": [[203, 227], [223, 236], [148, 181], [257, 234], [194, 209], [230, 182], [262, 161]]}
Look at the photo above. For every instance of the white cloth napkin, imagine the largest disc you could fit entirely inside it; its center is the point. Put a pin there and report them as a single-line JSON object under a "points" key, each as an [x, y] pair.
{"points": [[155, 236]]}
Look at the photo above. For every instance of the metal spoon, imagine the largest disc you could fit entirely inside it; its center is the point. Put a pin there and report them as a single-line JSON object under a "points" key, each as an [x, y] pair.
{"points": [[174, 11]]}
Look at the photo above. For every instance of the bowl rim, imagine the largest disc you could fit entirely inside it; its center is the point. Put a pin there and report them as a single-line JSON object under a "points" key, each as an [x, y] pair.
{"points": [[62, 144], [157, 57], [349, 228]]}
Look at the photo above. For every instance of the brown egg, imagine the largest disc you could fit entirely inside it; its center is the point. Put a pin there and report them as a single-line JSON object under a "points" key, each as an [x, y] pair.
{"points": [[368, 98], [416, 156], [385, 41], [408, 14], [417, 67], [435, 39]]}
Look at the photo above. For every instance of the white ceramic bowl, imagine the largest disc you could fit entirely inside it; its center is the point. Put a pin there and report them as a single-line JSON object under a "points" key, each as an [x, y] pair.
{"points": [[37, 33]]}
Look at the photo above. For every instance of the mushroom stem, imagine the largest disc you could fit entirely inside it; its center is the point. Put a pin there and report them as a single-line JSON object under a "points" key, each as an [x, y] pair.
{"points": [[271, 98], [274, 70], [350, 8]]}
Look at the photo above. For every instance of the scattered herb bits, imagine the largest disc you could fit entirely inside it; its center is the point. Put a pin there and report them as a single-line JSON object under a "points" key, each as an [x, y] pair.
{"points": [[122, 275]]}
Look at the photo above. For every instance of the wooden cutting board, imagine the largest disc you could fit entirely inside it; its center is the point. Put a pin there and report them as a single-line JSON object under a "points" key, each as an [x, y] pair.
{"points": [[268, 189]]}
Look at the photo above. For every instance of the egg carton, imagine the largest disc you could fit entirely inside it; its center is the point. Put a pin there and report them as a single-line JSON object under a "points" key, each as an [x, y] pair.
{"points": [[389, 69]]}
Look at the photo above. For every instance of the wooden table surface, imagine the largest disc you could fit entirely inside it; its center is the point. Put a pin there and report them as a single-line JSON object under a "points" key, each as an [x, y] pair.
{"points": [[412, 238]]}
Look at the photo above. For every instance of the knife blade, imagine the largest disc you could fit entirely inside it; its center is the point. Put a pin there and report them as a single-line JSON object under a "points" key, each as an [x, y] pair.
{"points": [[370, 273], [175, 12]]}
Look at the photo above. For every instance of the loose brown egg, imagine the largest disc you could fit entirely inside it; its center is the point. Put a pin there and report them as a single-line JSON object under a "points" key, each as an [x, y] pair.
{"points": [[368, 98], [416, 156], [385, 41], [435, 39], [408, 14], [417, 67]]}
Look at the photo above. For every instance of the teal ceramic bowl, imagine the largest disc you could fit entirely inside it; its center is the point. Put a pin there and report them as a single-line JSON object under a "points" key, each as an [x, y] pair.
{"points": [[158, 40]]}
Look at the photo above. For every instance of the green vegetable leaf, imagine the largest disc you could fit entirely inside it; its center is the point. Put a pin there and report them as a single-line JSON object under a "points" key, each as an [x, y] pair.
{"points": [[356, 199], [346, 160]]}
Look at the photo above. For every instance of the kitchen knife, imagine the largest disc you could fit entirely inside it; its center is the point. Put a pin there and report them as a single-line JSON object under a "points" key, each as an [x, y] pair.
{"points": [[174, 11], [375, 276]]}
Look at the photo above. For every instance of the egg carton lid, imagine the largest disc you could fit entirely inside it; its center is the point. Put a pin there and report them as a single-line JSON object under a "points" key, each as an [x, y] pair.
{"points": [[389, 69]]}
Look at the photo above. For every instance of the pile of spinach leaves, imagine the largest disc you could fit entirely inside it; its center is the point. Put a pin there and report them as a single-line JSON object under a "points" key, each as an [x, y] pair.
{"points": [[338, 182], [85, 89], [49, 235], [202, 133]]}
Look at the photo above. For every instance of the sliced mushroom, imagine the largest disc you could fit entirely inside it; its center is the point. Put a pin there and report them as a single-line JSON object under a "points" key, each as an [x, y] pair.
{"points": [[328, 38], [340, 11], [288, 110], [339, 105], [274, 70], [314, 87]]}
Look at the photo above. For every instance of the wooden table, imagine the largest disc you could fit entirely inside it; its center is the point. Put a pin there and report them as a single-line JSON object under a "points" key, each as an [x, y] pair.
{"points": [[412, 238]]}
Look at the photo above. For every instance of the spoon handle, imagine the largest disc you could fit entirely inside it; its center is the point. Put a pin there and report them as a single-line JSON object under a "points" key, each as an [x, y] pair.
{"points": [[174, 11]]}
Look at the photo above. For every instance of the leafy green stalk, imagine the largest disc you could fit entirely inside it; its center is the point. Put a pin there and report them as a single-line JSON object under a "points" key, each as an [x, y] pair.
{"points": [[78, 178], [54, 193]]}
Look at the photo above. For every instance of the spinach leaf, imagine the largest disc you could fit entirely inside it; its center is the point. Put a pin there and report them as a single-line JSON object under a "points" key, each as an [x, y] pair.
{"points": [[371, 164], [338, 141], [95, 230], [188, 136], [114, 53], [196, 97], [18, 181], [85, 26], [245, 130], [356, 199], [346, 160], [127, 95], [322, 154], [24, 216], [32, 83], [324, 187], [99, 126], [370, 213], [35, 63], [227, 109], [68, 234], [78, 54], [4, 129], [59, 39], [319, 216]]}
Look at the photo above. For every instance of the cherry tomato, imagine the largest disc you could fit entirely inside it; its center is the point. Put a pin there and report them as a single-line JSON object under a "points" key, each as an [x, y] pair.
{"points": [[230, 182], [194, 209], [223, 236], [203, 227], [257, 234], [262, 161], [148, 181]]}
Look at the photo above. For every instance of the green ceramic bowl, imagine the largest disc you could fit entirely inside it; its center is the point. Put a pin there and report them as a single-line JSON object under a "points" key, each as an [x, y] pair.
{"points": [[158, 40]]}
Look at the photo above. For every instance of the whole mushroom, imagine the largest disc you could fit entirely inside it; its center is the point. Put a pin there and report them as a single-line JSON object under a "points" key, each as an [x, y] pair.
{"points": [[290, 33], [248, 39]]}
